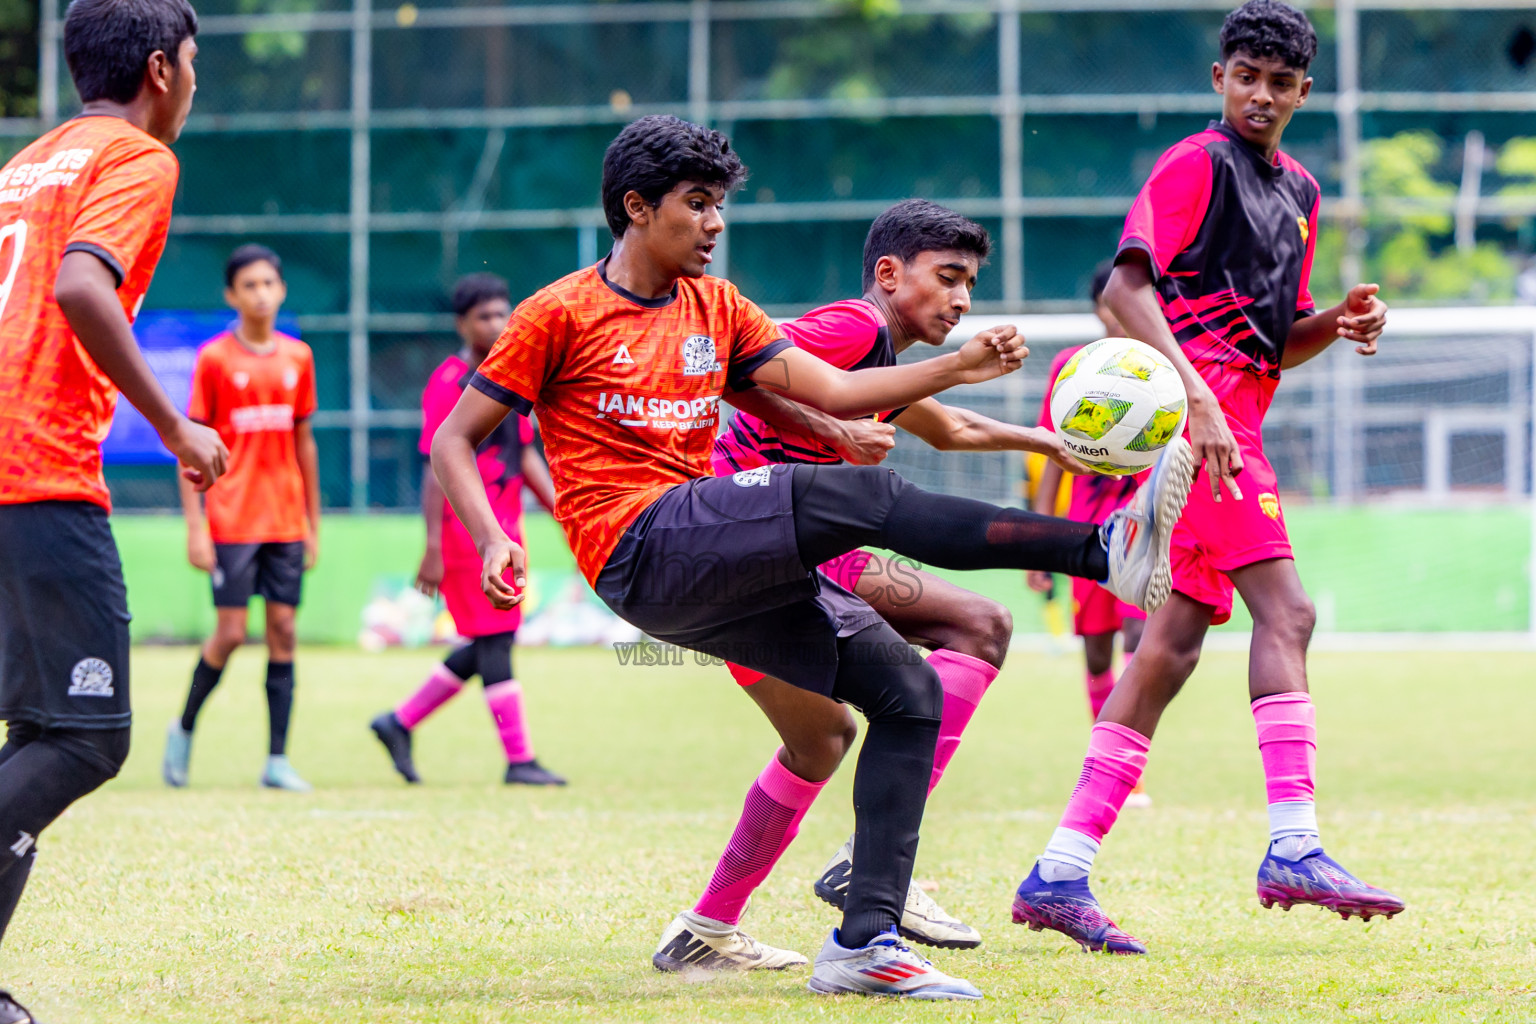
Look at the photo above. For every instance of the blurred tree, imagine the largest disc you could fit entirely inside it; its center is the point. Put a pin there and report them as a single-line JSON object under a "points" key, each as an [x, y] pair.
{"points": [[1412, 255], [18, 58]]}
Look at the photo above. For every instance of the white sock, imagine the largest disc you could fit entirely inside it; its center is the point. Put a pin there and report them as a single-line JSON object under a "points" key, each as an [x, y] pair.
{"points": [[1068, 856], [1293, 831]]}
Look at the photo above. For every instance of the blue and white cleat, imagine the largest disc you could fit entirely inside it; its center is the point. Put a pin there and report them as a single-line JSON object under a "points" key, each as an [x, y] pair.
{"points": [[279, 774], [1319, 880], [178, 753], [885, 967], [1070, 908], [1136, 537]]}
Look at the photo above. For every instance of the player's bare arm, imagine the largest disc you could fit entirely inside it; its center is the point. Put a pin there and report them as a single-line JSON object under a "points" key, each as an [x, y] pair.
{"points": [[860, 442], [86, 291], [950, 428], [199, 540], [1360, 318], [309, 470], [536, 478], [453, 461], [807, 379], [429, 576], [1131, 297]]}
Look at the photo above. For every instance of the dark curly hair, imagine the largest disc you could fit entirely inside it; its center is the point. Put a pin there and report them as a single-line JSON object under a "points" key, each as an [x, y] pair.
{"points": [[651, 155], [1269, 28], [913, 226], [108, 43], [472, 289]]}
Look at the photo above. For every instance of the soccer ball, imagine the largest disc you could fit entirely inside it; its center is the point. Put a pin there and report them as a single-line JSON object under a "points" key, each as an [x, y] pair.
{"points": [[1116, 404]]}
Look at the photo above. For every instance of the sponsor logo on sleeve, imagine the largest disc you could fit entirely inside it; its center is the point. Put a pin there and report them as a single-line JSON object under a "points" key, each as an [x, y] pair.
{"points": [[758, 477]]}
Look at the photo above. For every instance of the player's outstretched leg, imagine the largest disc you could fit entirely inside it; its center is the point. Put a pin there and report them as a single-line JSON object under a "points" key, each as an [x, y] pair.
{"points": [[1294, 869], [394, 727], [838, 509]]}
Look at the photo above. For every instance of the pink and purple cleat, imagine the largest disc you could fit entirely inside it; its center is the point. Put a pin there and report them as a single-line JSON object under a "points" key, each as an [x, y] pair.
{"points": [[1070, 908], [1319, 880]]}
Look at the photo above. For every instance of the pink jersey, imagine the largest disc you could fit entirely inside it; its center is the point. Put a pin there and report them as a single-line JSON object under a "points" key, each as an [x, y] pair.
{"points": [[851, 335], [1094, 495], [499, 459]]}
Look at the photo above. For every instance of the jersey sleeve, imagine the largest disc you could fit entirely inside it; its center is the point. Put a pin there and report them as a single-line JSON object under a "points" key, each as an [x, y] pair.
{"points": [[127, 208], [1050, 383], [841, 335], [755, 339], [200, 403], [1170, 207], [526, 354], [306, 401], [1305, 306]]}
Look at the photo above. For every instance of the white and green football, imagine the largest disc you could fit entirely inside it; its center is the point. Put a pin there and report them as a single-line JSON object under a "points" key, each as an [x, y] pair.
{"points": [[1116, 404]]}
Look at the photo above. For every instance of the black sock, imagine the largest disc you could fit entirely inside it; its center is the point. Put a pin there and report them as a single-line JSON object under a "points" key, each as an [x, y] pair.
{"points": [[204, 678], [840, 508], [39, 778], [901, 697], [279, 704]]}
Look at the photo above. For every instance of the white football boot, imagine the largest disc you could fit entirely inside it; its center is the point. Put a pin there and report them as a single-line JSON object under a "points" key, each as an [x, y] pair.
{"points": [[694, 942], [922, 919], [1136, 537], [884, 968]]}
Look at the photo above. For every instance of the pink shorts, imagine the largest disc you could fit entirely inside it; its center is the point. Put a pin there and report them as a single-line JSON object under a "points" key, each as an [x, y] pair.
{"points": [[844, 570], [1096, 611], [473, 614], [1213, 538]]}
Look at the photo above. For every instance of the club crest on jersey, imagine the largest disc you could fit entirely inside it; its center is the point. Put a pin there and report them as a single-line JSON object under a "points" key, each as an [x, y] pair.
{"points": [[1301, 222], [290, 379], [91, 677], [699, 356], [758, 477], [240, 378], [1269, 504]]}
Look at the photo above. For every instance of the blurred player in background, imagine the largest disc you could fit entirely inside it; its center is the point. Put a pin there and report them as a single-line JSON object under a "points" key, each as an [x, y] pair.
{"points": [[508, 462], [626, 362], [1213, 271], [1097, 615], [83, 217], [261, 529], [921, 263]]}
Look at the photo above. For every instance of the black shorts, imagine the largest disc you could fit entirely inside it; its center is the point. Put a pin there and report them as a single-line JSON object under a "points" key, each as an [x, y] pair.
{"points": [[273, 570], [63, 618], [713, 565]]}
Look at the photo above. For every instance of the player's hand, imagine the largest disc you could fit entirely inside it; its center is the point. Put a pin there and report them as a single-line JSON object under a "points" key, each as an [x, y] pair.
{"points": [[1212, 440], [201, 453], [311, 550], [429, 577], [200, 550], [1038, 580], [496, 558], [1047, 443], [865, 442], [990, 354], [1364, 317]]}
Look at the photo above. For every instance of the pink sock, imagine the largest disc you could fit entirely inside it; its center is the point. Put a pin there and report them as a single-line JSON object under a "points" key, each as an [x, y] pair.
{"points": [[1287, 726], [506, 703], [770, 820], [1099, 686], [441, 687], [965, 679], [1116, 757]]}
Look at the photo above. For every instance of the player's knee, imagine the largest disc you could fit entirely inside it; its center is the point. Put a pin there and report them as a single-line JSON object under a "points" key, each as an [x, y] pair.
{"points": [[1171, 663], [98, 754], [228, 635], [911, 691], [991, 626], [1294, 620], [282, 636]]}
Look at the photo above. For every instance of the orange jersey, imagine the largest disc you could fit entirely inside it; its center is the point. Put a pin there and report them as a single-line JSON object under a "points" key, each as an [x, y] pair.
{"points": [[626, 390], [254, 400], [96, 185]]}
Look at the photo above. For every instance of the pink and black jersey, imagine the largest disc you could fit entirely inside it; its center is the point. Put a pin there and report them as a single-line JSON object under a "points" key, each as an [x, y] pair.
{"points": [[1231, 237], [851, 335]]}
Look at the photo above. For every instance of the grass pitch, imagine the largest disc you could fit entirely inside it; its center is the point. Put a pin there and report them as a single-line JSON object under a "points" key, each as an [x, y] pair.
{"points": [[462, 900]]}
